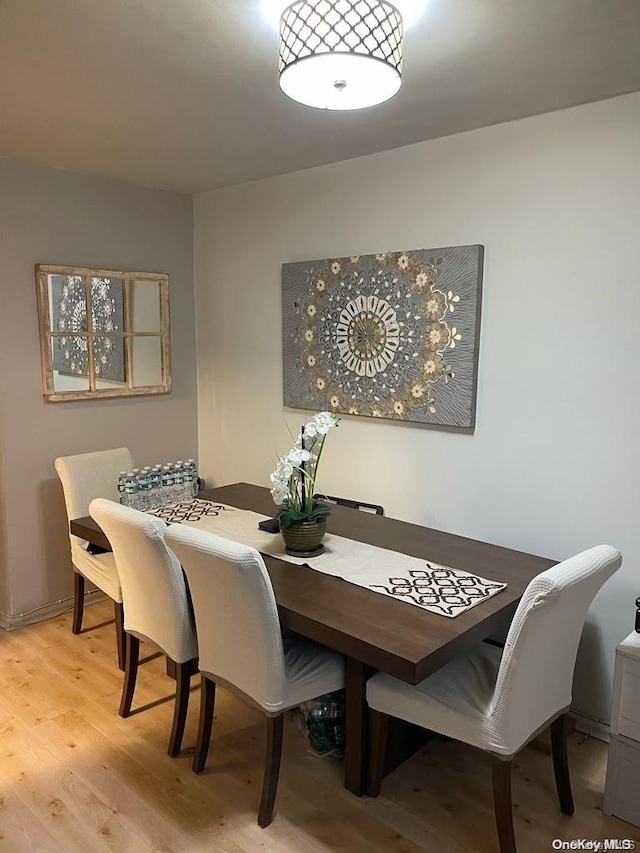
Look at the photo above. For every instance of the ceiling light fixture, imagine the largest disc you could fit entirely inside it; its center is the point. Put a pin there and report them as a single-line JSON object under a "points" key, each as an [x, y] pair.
{"points": [[340, 54], [411, 11]]}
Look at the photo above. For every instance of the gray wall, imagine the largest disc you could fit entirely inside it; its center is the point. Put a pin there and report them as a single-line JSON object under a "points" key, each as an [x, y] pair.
{"points": [[5, 591], [553, 466], [58, 217]]}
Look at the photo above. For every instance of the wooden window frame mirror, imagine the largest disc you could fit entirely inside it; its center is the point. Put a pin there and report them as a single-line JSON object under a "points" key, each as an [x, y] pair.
{"points": [[100, 338]]}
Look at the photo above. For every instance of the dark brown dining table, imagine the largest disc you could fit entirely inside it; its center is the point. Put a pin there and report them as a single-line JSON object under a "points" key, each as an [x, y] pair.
{"points": [[376, 632]]}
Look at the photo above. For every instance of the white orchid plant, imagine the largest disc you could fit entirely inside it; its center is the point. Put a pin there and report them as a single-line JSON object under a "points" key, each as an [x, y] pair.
{"points": [[293, 482]]}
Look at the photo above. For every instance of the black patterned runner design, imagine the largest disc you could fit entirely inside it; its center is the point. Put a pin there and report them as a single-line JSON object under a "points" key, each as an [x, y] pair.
{"points": [[440, 590], [194, 510]]}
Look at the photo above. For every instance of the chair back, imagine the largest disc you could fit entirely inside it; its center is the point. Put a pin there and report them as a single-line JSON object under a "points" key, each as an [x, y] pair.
{"points": [[86, 476], [535, 678], [237, 620], [349, 502], [154, 594]]}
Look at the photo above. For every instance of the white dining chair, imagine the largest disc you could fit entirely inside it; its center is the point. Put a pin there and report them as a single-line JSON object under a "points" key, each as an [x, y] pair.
{"points": [[500, 699], [156, 603], [241, 647], [86, 476]]}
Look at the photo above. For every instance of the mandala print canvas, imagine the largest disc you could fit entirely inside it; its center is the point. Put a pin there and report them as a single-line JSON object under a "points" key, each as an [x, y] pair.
{"points": [[392, 335]]}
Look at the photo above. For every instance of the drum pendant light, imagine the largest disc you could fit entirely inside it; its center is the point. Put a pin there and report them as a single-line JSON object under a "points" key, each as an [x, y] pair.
{"points": [[340, 54]]}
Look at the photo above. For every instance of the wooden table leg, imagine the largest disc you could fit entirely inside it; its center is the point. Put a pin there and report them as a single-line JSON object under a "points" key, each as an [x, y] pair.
{"points": [[356, 734]]}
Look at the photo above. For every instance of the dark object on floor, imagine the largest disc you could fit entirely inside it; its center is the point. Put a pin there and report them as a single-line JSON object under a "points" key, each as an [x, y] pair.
{"points": [[322, 720]]}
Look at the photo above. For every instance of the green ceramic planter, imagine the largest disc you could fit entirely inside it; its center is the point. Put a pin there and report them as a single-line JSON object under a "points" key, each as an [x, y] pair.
{"points": [[304, 538]]}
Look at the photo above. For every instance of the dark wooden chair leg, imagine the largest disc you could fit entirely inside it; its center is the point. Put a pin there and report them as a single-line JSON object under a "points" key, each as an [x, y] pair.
{"points": [[78, 602], [275, 726], [132, 656], [205, 723], [118, 612], [378, 733], [561, 763], [502, 805], [184, 672]]}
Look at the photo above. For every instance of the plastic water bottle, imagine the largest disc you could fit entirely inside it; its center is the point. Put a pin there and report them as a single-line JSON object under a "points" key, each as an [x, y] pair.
{"points": [[130, 490], [136, 503], [155, 478], [188, 480], [149, 501], [178, 480], [167, 485], [324, 722], [193, 477], [121, 482], [144, 488]]}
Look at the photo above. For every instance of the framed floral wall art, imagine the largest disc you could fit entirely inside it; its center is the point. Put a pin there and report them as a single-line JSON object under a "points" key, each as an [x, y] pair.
{"points": [[392, 335]]}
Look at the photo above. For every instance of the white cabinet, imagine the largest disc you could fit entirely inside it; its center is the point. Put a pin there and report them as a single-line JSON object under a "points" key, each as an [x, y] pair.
{"points": [[622, 789]]}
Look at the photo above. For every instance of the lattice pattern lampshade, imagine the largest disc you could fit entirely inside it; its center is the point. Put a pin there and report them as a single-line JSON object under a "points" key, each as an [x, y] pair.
{"points": [[340, 54]]}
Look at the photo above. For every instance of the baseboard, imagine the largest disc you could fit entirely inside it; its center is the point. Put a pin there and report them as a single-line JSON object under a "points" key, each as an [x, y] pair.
{"points": [[47, 611], [591, 726]]}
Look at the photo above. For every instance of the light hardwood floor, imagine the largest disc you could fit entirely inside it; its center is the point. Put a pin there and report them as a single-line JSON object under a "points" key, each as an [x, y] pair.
{"points": [[76, 777]]}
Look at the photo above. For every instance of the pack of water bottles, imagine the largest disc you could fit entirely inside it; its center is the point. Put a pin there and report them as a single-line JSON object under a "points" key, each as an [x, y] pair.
{"points": [[323, 722], [150, 488]]}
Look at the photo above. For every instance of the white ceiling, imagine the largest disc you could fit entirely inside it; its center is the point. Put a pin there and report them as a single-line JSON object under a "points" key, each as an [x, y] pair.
{"points": [[183, 94]]}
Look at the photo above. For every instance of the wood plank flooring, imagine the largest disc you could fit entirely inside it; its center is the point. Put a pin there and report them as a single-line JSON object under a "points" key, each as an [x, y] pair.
{"points": [[76, 778]]}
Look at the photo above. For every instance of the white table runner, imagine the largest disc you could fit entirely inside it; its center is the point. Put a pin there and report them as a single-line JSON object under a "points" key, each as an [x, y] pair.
{"points": [[433, 587]]}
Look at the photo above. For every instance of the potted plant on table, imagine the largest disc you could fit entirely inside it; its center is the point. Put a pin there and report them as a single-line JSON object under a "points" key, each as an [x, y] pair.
{"points": [[303, 518]]}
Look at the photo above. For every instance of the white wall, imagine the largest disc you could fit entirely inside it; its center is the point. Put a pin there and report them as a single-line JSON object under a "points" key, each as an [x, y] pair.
{"points": [[553, 466]]}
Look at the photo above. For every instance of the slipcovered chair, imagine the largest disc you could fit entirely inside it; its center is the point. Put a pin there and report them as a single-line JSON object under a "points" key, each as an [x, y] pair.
{"points": [[241, 647], [84, 477], [498, 700], [156, 603]]}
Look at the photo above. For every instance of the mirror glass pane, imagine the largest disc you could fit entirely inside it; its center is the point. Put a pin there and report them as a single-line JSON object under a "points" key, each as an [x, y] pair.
{"points": [[70, 362], [147, 361], [145, 306], [107, 304], [109, 361]]}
